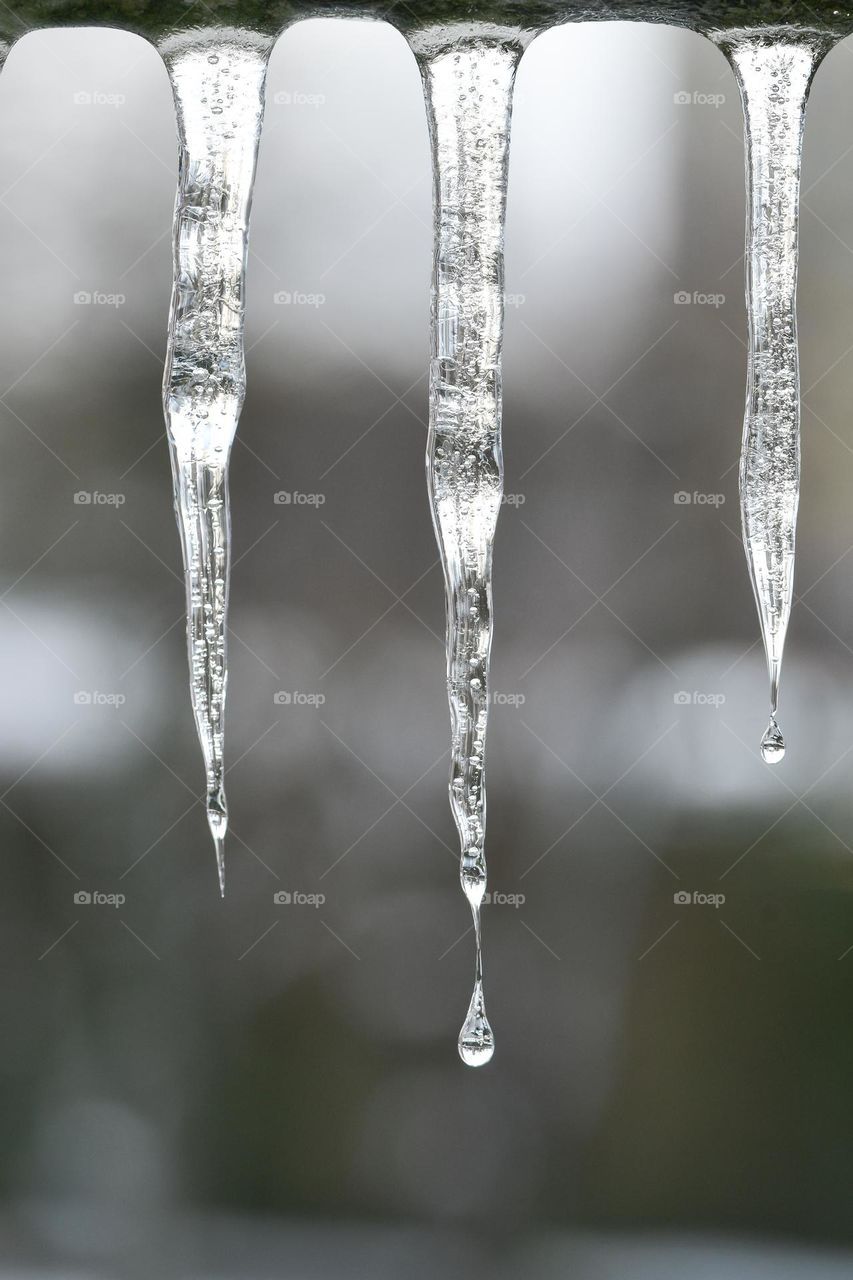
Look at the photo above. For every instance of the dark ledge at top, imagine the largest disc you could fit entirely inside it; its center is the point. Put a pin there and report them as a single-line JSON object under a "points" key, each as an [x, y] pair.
{"points": [[156, 18]]}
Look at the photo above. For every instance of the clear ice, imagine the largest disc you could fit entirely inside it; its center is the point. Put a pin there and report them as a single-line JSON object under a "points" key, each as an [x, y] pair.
{"points": [[774, 71], [468, 81], [217, 77]]}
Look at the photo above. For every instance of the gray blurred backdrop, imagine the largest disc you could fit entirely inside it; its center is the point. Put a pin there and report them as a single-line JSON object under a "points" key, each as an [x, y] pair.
{"points": [[255, 1089]]}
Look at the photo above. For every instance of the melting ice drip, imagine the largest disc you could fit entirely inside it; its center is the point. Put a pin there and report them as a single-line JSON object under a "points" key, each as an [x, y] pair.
{"points": [[774, 72], [468, 84], [218, 81]]}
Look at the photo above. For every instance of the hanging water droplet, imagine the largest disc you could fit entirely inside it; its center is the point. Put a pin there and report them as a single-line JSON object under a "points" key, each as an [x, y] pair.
{"points": [[476, 1041], [772, 744]]}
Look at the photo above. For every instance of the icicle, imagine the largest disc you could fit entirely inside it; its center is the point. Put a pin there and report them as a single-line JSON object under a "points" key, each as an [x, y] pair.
{"points": [[468, 81], [774, 70], [218, 79]]}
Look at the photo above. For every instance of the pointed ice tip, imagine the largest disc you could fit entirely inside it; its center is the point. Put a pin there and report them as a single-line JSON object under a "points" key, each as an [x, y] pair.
{"points": [[772, 744], [217, 820], [220, 864]]}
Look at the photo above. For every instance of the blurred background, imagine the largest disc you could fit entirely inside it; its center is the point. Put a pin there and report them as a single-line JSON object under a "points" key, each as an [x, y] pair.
{"points": [[256, 1088]]}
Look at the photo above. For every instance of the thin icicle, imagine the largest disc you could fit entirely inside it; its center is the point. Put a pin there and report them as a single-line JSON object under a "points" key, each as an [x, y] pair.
{"points": [[218, 80], [774, 70], [468, 81]]}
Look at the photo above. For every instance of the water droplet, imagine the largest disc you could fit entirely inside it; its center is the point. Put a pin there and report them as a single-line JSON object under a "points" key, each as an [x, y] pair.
{"points": [[476, 1039], [772, 744]]}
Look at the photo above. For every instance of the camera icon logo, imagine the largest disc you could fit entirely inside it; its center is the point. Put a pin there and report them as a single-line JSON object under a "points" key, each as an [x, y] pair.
{"points": [[681, 898], [282, 698], [682, 98], [281, 898], [682, 498], [283, 498], [82, 298], [682, 698], [82, 498], [83, 698], [682, 298], [283, 298], [82, 898]]}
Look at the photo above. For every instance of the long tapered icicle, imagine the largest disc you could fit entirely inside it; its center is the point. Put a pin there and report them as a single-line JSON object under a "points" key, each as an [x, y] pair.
{"points": [[218, 80], [774, 71], [468, 85]]}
